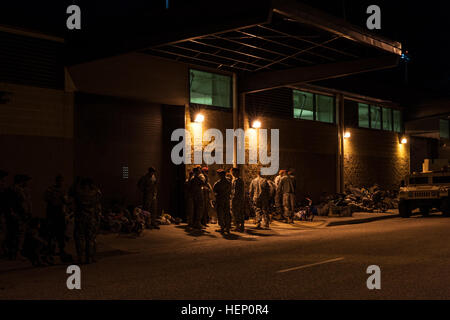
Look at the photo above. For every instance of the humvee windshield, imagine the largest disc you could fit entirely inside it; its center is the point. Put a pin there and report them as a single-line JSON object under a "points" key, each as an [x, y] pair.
{"points": [[418, 180], [442, 179]]}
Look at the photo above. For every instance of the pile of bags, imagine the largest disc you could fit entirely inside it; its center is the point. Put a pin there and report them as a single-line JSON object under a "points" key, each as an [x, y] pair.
{"points": [[121, 220], [372, 199], [168, 219]]}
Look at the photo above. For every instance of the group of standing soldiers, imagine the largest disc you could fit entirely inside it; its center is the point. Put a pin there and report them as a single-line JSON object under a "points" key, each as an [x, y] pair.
{"points": [[279, 193], [229, 200], [15, 212], [83, 201], [24, 234]]}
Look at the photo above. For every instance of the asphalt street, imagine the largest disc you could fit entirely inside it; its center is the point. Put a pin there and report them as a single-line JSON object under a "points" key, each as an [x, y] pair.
{"points": [[283, 263]]}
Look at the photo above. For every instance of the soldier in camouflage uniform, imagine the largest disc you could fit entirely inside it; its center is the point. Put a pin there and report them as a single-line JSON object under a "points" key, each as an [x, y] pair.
{"points": [[260, 194], [56, 198], [207, 193], [189, 204], [237, 200], [18, 216], [87, 219], [286, 189], [147, 185], [196, 194], [222, 189], [278, 196]]}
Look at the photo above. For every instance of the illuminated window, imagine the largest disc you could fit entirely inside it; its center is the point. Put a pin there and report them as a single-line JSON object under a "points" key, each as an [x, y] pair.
{"points": [[387, 119], [397, 120], [363, 115], [303, 105], [375, 117], [324, 108], [310, 106], [210, 89]]}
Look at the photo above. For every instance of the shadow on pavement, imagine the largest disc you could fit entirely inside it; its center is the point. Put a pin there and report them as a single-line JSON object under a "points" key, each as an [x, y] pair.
{"points": [[259, 232], [233, 236], [430, 216], [196, 233]]}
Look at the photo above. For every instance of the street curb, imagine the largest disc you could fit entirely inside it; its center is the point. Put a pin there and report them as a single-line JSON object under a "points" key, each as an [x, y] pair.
{"points": [[361, 220]]}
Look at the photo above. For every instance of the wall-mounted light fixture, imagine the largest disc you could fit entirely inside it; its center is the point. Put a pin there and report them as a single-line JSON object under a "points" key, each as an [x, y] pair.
{"points": [[347, 134], [403, 140], [199, 118], [256, 124]]}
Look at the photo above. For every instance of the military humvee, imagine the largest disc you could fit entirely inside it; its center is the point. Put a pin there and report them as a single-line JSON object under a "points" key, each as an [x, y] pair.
{"points": [[425, 190]]}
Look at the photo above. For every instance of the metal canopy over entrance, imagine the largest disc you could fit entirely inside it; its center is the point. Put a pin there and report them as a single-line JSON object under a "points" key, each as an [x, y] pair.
{"points": [[295, 36]]}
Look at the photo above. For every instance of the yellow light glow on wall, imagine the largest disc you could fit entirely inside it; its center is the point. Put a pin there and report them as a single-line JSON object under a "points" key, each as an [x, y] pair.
{"points": [[252, 136], [197, 137]]}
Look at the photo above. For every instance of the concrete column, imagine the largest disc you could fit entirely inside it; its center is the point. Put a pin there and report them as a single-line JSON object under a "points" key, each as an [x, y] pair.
{"points": [[235, 116], [340, 149]]}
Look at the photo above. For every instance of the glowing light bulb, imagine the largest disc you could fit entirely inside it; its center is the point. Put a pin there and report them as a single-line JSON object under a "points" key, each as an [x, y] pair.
{"points": [[199, 118], [256, 124]]}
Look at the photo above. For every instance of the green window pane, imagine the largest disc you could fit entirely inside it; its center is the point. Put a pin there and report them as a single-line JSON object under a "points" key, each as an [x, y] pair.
{"points": [[375, 117], [325, 108], [397, 120], [387, 119], [363, 115], [303, 105], [210, 89], [444, 129]]}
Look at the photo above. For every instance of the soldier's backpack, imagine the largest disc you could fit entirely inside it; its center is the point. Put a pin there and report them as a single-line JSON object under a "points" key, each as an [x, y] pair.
{"points": [[265, 192]]}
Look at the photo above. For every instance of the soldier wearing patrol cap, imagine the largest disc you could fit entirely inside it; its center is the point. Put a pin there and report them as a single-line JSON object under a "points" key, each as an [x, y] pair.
{"points": [[147, 184], [207, 196], [222, 189], [56, 198], [18, 214], [237, 200]]}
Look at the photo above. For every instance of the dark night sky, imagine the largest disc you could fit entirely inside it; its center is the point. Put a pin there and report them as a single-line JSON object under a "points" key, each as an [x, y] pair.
{"points": [[423, 28]]}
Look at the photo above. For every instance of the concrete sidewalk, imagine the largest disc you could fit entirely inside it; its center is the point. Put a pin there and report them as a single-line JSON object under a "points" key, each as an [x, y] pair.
{"points": [[359, 217], [324, 221]]}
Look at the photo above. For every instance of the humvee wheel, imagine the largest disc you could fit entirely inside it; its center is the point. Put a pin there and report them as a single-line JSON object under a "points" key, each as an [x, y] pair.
{"points": [[403, 209], [425, 211], [445, 207]]}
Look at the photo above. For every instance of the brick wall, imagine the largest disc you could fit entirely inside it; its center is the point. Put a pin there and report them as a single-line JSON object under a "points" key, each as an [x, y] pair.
{"points": [[374, 156], [214, 118], [444, 149], [309, 147]]}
